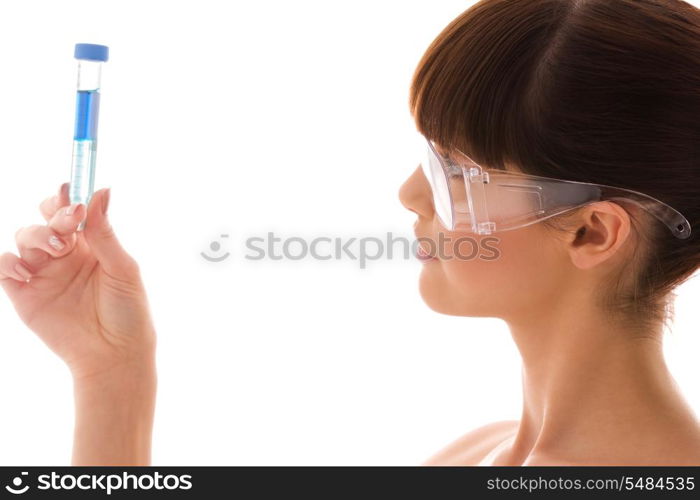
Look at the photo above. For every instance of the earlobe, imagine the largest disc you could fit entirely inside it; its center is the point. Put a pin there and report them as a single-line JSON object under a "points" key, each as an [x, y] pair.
{"points": [[603, 229]]}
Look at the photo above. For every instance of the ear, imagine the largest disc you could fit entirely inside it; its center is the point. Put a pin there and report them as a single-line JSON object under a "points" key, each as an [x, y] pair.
{"points": [[602, 229]]}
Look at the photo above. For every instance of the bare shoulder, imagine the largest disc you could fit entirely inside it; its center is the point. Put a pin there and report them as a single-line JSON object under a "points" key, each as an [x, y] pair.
{"points": [[644, 460], [474, 445], [644, 449]]}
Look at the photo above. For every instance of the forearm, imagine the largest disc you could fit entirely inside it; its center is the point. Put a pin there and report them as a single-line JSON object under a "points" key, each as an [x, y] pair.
{"points": [[114, 416]]}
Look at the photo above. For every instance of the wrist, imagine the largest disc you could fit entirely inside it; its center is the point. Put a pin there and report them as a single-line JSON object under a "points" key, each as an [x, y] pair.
{"points": [[114, 410], [137, 362], [127, 388], [119, 380]]}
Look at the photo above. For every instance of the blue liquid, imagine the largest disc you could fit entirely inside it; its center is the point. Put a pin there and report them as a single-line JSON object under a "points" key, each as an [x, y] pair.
{"points": [[87, 108], [82, 181]]}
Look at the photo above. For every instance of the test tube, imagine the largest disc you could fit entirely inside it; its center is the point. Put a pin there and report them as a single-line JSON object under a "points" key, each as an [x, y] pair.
{"points": [[87, 105]]}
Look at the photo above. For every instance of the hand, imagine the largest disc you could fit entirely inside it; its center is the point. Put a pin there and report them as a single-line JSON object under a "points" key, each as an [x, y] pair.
{"points": [[83, 295], [79, 291]]}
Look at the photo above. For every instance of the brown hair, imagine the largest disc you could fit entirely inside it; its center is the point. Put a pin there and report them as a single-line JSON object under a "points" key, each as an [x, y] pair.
{"points": [[601, 91]]}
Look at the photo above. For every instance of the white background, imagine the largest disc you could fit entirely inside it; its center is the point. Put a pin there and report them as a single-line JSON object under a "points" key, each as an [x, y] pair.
{"points": [[243, 118]]}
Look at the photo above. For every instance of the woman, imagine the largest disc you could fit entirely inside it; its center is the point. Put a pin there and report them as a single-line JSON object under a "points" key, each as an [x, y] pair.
{"points": [[602, 92], [563, 131]]}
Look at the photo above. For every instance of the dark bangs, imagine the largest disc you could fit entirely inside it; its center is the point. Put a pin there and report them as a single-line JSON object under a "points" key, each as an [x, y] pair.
{"points": [[469, 89]]}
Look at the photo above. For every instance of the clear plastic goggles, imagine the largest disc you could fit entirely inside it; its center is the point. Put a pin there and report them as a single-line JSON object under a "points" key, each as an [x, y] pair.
{"points": [[470, 199]]}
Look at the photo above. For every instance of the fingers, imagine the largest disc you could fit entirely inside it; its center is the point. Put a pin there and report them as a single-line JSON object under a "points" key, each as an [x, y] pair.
{"points": [[66, 220], [50, 205], [103, 241], [12, 267], [36, 243], [59, 234]]}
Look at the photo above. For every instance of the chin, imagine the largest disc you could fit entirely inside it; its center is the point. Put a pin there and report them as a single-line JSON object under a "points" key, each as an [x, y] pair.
{"points": [[435, 292], [441, 297]]}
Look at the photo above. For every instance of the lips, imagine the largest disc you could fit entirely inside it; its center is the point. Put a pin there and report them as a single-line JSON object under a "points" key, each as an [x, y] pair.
{"points": [[422, 255]]}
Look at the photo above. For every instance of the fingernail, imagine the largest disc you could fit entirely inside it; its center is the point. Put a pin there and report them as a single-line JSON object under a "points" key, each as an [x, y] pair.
{"points": [[23, 271], [63, 188], [55, 242], [70, 210], [105, 201]]}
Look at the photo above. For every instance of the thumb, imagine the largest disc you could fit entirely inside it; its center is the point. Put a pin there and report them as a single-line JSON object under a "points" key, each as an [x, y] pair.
{"points": [[101, 238]]}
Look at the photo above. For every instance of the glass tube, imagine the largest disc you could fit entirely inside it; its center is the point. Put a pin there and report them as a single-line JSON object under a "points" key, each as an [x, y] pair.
{"points": [[87, 106]]}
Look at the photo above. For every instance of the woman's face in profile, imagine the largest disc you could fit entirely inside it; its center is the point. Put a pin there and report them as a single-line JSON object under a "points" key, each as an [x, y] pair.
{"points": [[506, 274]]}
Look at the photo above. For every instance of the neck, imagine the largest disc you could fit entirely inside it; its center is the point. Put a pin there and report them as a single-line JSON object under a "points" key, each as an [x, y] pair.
{"points": [[587, 379]]}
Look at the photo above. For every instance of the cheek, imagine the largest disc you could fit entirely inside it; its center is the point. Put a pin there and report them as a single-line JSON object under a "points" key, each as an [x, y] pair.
{"points": [[492, 276]]}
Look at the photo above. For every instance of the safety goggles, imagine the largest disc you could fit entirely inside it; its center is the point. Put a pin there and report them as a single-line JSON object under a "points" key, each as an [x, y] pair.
{"points": [[468, 198]]}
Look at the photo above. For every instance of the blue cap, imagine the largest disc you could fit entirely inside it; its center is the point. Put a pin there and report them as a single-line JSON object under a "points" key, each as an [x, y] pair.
{"points": [[91, 52]]}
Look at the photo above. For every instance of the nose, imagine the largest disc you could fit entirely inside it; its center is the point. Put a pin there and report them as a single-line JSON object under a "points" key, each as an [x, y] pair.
{"points": [[415, 194]]}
